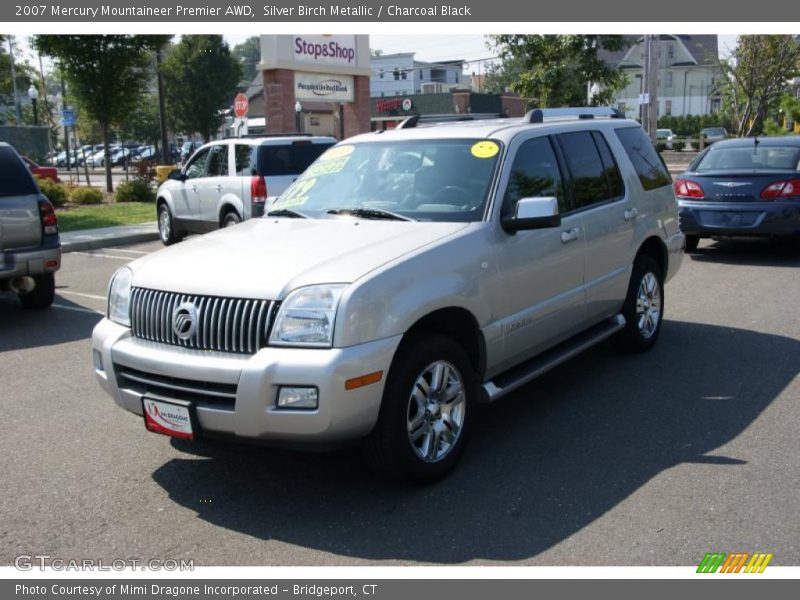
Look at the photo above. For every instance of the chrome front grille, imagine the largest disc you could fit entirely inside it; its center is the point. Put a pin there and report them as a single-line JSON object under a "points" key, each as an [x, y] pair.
{"points": [[223, 324]]}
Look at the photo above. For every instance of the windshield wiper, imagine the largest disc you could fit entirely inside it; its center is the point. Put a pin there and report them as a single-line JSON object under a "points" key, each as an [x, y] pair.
{"points": [[369, 213], [286, 212]]}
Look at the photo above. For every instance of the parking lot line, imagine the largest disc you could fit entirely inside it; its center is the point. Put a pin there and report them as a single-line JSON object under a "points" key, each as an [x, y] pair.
{"points": [[98, 255], [93, 296], [78, 309]]}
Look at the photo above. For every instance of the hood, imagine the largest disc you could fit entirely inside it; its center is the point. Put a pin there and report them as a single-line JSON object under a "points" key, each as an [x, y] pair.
{"points": [[266, 258]]}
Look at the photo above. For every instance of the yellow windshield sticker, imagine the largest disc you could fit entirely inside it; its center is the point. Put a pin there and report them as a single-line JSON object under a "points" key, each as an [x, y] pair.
{"points": [[297, 195], [337, 152], [326, 167], [485, 149]]}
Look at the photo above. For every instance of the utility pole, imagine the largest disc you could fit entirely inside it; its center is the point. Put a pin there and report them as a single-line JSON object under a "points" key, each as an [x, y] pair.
{"points": [[651, 74], [162, 111], [66, 127], [14, 81]]}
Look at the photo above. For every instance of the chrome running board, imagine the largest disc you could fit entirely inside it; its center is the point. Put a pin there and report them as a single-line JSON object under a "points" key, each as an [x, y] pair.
{"points": [[514, 378]]}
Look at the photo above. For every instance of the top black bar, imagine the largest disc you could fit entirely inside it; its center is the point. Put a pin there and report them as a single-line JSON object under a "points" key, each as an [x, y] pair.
{"points": [[409, 11]]}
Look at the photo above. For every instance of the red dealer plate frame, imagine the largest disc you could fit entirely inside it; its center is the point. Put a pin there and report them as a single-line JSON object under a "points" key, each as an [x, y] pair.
{"points": [[175, 418]]}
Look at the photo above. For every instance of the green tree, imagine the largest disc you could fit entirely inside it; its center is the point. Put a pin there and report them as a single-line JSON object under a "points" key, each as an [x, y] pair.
{"points": [[248, 54], [755, 77], [106, 75], [201, 77], [142, 125], [24, 78], [503, 75], [556, 69]]}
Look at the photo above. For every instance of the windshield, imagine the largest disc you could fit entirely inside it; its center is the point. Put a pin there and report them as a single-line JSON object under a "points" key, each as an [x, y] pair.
{"points": [[750, 158], [428, 180]]}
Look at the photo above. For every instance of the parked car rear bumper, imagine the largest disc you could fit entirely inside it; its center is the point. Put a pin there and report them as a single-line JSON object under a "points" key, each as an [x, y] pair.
{"points": [[36, 261], [740, 218]]}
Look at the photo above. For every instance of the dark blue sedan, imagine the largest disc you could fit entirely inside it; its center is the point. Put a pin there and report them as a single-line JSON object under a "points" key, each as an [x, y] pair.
{"points": [[745, 186]]}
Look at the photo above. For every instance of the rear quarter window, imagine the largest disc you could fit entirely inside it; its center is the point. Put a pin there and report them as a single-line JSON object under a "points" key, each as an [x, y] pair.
{"points": [[288, 159], [15, 178], [647, 163]]}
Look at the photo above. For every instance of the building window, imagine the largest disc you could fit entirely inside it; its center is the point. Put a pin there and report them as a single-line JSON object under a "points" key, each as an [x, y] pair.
{"points": [[403, 75], [381, 74], [670, 51], [396, 74], [668, 79], [456, 77], [420, 74], [668, 107]]}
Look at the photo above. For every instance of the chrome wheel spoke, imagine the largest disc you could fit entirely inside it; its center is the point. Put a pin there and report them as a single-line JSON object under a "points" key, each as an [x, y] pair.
{"points": [[434, 441]]}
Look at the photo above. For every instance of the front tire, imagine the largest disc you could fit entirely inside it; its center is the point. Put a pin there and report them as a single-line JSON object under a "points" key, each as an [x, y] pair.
{"points": [[43, 294], [425, 414], [166, 226], [644, 307]]}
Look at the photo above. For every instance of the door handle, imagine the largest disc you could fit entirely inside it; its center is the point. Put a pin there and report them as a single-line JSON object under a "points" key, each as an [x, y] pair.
{"points": [[219, 188], [631, 214], [194, 188], [571, 235]]}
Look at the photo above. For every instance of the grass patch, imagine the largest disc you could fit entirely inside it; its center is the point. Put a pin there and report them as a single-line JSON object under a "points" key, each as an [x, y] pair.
{"points": [[105, 215]]}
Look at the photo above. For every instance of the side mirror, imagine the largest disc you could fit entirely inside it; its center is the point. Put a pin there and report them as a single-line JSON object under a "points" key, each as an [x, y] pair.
{"points": [[533, 213], [177, 175]]}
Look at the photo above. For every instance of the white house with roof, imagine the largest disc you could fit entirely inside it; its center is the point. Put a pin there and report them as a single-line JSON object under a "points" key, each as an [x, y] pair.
{"points": [[402, 75], [687, 75]]}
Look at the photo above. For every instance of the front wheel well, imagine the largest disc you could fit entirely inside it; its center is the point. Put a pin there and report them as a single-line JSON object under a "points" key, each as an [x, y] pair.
{"points": [[654, 248], [461, 326]]}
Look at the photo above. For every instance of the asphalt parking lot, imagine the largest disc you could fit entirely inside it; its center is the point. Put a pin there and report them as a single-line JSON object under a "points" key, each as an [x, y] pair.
{"points": [[608, 460]]}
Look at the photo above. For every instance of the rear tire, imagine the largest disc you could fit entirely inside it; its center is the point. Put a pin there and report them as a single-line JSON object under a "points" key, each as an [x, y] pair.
{"points": [[425, 413], [43, 294], [230, 219], [692, 241], [644, 307]]}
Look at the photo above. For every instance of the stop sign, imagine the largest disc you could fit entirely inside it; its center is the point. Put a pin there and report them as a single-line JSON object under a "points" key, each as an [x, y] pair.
{"points": [[240, 105]]}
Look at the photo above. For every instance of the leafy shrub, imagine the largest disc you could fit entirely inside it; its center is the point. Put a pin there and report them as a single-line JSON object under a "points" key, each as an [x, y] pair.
{"points": [[678, 145], [56, 192], [661, 146], [137, 189], [86, 195], [695, 144]]}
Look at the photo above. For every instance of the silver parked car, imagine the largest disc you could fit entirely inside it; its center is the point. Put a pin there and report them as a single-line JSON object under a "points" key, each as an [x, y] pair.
{"points": [[228, 181], [30, 249], [405, 276]]}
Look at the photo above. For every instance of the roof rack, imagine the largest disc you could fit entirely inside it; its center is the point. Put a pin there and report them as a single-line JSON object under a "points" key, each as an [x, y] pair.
{"points": [[538, 115], [416, 120], [268, 135]]}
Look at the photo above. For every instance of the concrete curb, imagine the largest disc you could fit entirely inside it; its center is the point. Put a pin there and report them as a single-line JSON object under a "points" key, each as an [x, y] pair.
{"points": [[94, 239]]}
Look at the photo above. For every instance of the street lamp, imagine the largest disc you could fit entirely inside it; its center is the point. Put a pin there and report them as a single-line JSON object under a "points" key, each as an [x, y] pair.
{"points": [[33, 94], [298, 109]]}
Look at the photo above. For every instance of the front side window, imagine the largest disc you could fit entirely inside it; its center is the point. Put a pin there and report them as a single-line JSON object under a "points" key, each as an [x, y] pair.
{"points": [[427, 180], [197, 167], [218, 162], [534, 174]]}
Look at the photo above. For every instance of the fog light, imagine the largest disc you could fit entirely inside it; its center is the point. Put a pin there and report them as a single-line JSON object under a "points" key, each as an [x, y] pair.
{"points": [[298, 397], [97, 359]]}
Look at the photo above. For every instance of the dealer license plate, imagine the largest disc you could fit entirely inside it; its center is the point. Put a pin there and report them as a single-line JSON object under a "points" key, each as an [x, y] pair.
{"points": [[174, 417]]}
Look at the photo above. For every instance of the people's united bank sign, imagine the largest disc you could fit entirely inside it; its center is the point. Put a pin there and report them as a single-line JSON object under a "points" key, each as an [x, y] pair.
{"points": [[323, 87]]}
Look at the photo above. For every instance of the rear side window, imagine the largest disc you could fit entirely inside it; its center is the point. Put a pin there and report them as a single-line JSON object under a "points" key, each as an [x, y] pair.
{"points": [[289, 159], [15, 179], [647, 163], [591, 184], [246, 158]]}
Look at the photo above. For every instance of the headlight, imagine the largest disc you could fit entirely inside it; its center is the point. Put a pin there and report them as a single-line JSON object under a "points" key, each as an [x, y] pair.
{"points": [[306, 317], [119, 297]]}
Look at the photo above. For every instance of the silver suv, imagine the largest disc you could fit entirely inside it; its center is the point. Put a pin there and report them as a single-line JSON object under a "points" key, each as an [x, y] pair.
{"points": [[30, 250], [227, 181], [407, 275]]}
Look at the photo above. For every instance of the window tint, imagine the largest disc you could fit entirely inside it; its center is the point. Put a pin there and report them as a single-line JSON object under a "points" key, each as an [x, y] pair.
{"points": [[245, 157], [780, 158], [589, 182], [289, 159], [218, 162], [646, 161], [613, 177], [534, 174], [15, 179], [196, 168]]}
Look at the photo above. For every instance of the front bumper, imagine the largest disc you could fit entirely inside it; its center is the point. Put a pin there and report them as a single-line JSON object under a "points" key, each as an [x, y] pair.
{"points": [[254, 381], [34, 261], [739, 218]]}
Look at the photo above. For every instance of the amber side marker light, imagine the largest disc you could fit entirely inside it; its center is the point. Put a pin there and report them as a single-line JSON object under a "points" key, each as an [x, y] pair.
{"points": [[357, 382]]}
